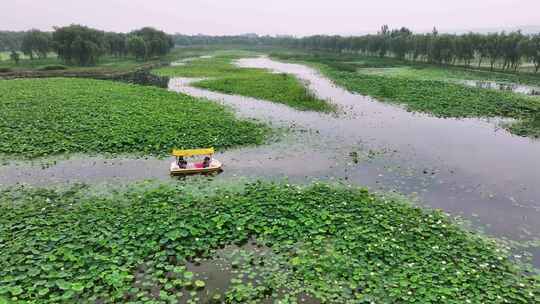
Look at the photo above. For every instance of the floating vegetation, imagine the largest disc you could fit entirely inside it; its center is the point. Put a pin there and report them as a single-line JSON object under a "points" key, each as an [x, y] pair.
{"points": [[431, 89], [439, 97], [336, 245], [258, 83], [64, 115], [527, 127]]}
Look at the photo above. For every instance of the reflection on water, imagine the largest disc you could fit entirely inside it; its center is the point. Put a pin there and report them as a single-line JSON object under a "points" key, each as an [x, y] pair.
{"points": [[466, 167], [501, 86]]}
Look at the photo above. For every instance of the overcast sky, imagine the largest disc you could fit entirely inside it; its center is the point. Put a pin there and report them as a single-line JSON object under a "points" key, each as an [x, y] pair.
{"points": [[297, 17]]}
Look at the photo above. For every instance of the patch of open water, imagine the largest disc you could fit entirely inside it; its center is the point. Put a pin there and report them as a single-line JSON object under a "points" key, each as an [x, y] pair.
{"points": [[503, 86], [467, 167]]}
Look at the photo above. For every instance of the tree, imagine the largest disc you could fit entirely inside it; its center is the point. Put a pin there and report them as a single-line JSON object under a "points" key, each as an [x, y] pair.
{"points": [[116, 44], [36, 42], [137, 47], [493, 48], [11, 40], [77, 44], [480, 47], [400, 42], [15, 57], [532, 51], [464, 47], [381, 42], [158, 43], [442, 49], [510, 48]]}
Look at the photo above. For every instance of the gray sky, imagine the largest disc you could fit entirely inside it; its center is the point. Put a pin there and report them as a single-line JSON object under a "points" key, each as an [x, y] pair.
{"points": [[297, 17]]}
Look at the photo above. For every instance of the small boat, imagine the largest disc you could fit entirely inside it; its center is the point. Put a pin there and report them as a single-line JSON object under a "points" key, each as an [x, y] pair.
{"points": [[181, 167]]}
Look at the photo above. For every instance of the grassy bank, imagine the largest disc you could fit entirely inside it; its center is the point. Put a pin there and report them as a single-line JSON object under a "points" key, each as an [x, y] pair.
{"points": [[334, 244], [431, 89], [105, 65], [58, 115], [108, 64], [258, 83]]}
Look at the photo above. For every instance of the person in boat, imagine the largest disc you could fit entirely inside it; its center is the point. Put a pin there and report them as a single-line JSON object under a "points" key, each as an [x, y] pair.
{"points": [[182, 163], [206, 162]]}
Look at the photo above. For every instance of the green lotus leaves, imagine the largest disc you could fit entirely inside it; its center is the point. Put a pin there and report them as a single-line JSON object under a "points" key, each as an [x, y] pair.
{"points": [[331, 243], [63, 116]]}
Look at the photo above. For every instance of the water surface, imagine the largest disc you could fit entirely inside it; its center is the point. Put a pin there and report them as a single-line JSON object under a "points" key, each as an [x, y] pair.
{"points": [[503, 86]]}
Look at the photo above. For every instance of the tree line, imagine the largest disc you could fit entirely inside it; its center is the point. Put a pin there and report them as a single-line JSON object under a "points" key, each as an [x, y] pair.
{"points": [[81, 45], [506, 51], [10, 40]]}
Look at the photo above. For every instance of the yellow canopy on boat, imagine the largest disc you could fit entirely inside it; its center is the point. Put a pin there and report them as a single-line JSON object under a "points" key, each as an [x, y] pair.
{"points": [[193, 152]]}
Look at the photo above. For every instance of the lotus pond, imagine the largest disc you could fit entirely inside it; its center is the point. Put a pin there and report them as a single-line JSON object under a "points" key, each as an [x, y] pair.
{"points": [[325, 242], [61, 116], [198, 241]]}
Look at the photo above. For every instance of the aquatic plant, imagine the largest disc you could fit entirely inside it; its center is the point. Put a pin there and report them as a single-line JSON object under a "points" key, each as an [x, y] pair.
{"points": [[335, 244], [257, 83], [57, 115], [430, 89], [527, 127]]}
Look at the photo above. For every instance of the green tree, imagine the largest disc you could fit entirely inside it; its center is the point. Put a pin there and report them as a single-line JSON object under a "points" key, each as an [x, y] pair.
{"points": [[158, 43], [77, 44], [137, 47], [464, 48], [532, 51], [511, 50], [11, 40], [382, 41], [400, 42], [442, 49], [36, 42], [116, 44], [15, 57], [493, 48]]}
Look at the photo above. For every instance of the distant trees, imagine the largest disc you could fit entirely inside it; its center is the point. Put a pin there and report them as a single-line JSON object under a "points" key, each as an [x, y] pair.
{"points": [[246, 39], [137, 47], [77, 44], [504, 50], [14, 55], [400, 42], [10, 41], [82, 45], [36, 42], [116, 44], [532, 51], [157, 42]]}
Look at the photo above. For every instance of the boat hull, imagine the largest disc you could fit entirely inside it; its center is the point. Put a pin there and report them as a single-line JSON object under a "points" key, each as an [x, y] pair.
{"points": [[215, 166]]}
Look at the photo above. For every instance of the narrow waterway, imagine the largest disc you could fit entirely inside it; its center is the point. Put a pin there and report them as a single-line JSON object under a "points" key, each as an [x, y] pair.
{"points": [[467, 167]]}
